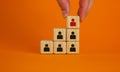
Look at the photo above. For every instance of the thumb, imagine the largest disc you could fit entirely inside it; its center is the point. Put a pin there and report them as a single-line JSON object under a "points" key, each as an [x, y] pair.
{"points": [[85, 6], [65, 7]]}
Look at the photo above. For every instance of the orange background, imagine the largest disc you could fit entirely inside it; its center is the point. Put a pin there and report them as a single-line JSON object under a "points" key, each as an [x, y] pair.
{"points": [[23, 23]]}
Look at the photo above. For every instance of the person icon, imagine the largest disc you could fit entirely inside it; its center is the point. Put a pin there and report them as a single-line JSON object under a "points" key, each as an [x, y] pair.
{"points": [[72, 23], [46, 48], [59, 49], [59, 36], [72, 36], [72, 49]]}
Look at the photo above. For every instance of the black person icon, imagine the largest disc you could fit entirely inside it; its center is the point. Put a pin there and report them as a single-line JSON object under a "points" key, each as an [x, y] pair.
{"points": [[59, 49], [72, 49], [59, 36], [46, 48], [72, 36]]}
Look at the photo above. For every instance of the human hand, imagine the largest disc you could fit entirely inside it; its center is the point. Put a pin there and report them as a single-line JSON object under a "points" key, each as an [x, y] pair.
{"points": [[84, 7]]}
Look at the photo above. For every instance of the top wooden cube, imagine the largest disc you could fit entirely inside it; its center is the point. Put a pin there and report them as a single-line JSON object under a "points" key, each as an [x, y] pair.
{"points": [[73, 22]]}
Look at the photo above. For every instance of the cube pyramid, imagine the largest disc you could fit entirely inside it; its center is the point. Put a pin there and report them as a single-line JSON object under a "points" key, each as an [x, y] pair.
{"points": [[65, 40]]}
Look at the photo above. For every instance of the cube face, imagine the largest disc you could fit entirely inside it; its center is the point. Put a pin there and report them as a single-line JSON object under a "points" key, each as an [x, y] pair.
{"points": [[46, 47], [73, 22], [59, 47], [72, 35], [59, 34], [72, 47]]}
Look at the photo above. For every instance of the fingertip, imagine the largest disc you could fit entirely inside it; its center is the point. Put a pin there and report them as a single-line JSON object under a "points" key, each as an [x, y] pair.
{"points": [[65, 7], [84, 8], [81, 15], [65, 13]]}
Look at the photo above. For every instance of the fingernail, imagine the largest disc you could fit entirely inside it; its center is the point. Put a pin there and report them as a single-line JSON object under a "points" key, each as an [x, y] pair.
{"points": [[65, 14]]}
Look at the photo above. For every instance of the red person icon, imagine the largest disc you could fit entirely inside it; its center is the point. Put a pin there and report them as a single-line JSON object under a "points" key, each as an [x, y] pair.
{"points": [[72, 23]]}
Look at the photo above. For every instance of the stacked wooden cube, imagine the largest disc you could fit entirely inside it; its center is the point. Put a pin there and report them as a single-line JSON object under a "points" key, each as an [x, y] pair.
{"points": [[66, 40]]}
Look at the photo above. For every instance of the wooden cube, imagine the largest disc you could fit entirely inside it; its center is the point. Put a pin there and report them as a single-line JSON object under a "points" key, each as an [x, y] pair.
{"points": [[59, 34], [73, 22], [73, 47], [72, 35], [46, 47], [59, 47]]}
